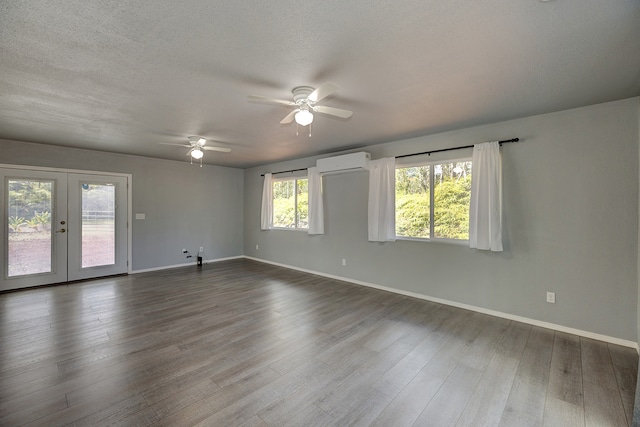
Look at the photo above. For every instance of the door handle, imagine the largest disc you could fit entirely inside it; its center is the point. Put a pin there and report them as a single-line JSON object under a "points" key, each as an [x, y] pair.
{"points": [[62, 230]]}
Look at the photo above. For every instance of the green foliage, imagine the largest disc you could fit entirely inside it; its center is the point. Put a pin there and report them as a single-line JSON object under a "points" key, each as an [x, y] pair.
{"points": [[43, 218], [283, 189], [27, 197], [412, 215], [412, 180], [303, 210], [33, 222], [284, 212], [15, 222], [451, 208], [39, 221]]}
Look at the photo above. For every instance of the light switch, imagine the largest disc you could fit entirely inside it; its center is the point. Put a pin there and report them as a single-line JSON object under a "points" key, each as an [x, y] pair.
{"points": [[140, 216]]}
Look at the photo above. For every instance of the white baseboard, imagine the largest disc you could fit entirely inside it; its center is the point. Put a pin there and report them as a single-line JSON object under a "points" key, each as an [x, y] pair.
{"points": [[534, 322], [186, 264]]}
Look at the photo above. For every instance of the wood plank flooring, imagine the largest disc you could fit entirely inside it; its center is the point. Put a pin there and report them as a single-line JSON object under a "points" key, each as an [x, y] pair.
{"points": [[241, 343]]}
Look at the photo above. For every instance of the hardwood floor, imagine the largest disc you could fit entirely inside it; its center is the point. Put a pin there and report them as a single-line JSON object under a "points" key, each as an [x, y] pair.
{"points": [[241, 343]]}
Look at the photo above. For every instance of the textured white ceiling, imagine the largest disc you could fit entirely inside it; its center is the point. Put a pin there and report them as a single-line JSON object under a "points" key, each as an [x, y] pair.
{"points": [[123, 76]]}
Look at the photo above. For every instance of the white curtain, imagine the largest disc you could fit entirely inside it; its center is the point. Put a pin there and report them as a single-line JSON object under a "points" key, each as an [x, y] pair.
{"points": [[316, 208], [267, 202], [485, 211], [382, 200]]}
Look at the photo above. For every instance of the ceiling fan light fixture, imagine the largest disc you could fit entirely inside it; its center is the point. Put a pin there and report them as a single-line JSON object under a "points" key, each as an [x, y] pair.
{"points": [[197, 140], [304, 117], [304, 105], [197, 153]]}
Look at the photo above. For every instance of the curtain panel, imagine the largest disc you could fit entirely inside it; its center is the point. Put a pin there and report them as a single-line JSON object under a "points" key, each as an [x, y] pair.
{"points": [[316, 207], [267, 203], [485, 210], [382, 200]]}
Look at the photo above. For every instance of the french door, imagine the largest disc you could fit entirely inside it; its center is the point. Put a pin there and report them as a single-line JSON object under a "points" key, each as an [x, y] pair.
{"points": [[60, 227]]}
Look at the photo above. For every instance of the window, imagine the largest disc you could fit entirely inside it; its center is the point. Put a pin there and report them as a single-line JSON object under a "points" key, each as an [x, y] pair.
{"points": [[432, 200], [290, 203]]}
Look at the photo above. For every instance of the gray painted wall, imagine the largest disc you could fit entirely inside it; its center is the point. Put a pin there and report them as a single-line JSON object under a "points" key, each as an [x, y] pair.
{"points": [[185, 206], [571, 209], [636, 406]]}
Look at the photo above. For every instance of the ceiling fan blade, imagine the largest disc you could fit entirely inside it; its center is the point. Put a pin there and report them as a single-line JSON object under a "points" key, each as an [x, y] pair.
{"points": [[257, 98], [214, 141], [177, 145], [220, 149], [322, 92], [289, 118], [332, 111]]}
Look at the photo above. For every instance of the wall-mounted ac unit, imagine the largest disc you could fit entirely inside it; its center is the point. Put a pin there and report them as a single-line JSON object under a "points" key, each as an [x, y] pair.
{"points": [[345, 163]]}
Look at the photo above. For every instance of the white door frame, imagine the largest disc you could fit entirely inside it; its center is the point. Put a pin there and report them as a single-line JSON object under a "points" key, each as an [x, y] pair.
{"points": [[129, 178]]}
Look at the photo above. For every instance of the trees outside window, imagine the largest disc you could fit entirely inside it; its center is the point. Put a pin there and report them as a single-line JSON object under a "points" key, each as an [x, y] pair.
{"points": [[432, 200], [291, 203]]}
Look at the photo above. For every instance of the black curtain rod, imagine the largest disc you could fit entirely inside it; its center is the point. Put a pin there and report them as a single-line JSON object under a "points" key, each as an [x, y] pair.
{"points": [[414, 154], [453, 148], [292, 170]]}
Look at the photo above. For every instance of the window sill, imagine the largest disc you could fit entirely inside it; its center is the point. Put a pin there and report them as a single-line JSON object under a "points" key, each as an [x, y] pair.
{"points": [[306, 230], [445, 241]]}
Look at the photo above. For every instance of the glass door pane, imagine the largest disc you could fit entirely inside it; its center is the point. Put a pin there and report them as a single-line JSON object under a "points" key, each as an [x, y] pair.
{"points": [[33, 233], [98, 224], [29, 243]]}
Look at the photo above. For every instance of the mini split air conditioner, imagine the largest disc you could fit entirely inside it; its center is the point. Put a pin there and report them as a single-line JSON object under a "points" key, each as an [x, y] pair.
{"points": [[346, 163]]}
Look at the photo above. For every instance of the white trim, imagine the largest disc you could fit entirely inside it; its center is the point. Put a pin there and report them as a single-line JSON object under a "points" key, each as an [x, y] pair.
{"points": [[289, 229], [185, 264], [291, 176], [458, 242], [429, 161], [534, 322]]}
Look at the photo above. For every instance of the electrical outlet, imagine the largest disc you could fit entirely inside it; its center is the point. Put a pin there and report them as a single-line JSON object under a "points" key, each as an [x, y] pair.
{"points": [[551, 297], [344, 261], [201, 249]]}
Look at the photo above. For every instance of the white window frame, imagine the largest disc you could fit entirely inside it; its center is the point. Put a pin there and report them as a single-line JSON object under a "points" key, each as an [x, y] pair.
{"points": [[295, 201], [431, 164]]}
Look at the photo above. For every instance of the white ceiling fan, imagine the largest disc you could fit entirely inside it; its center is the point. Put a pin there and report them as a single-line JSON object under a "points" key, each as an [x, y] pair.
{"points": [[304, 101], [196, 145]]}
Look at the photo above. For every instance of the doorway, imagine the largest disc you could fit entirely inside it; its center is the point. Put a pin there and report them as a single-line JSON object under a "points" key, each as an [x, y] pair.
{"points": [[62, 226]]}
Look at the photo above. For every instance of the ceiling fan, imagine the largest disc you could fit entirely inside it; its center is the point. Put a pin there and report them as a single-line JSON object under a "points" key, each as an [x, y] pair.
{"points": [[304, 101], [196, 145]]}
